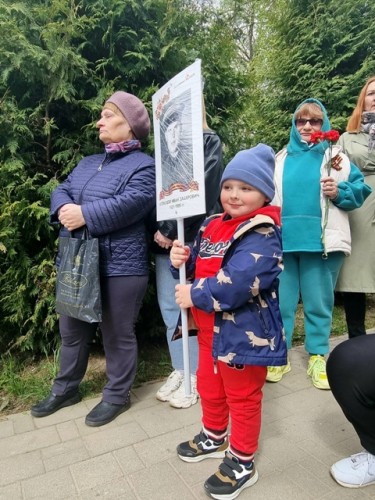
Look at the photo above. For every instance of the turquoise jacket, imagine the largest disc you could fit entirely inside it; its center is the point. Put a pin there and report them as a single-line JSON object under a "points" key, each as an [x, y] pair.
{"points": [[299, 170]]}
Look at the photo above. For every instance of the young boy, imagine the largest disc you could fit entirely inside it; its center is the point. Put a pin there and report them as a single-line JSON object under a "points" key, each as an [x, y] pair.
{"points": [[234, 264]]}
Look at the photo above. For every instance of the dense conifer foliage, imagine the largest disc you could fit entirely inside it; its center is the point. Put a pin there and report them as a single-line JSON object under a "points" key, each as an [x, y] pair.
{"points": [[60, 59]]}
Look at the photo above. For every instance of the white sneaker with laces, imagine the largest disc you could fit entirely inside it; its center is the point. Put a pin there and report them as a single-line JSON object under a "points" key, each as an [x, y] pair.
{"points": [[179, 398], [355, 471], [173, 382]]}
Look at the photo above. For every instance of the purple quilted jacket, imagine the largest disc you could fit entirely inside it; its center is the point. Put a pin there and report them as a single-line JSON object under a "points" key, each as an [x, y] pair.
{"points": [[117, 192]]}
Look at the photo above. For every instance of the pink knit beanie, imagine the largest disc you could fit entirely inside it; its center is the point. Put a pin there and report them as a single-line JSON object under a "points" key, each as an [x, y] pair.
{"points": [[134, 111]]}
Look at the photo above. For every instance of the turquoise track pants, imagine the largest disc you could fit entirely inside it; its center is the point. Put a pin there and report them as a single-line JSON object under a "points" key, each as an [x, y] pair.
{"points": [[309, 276]]}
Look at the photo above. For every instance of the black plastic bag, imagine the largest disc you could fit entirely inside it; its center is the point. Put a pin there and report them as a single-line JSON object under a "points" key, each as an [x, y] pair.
{"points": [[78, 279]]}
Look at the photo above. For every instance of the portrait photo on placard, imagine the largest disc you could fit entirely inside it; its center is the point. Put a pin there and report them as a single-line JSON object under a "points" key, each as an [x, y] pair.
{"points": [[176, 143], [178, 139]]}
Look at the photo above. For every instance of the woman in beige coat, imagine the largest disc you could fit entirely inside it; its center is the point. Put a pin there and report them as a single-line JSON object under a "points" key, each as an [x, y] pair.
{"points": [[357, 275]]}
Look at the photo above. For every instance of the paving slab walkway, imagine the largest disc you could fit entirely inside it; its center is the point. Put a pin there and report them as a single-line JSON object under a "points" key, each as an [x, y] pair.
{"points": [[134, 457]]}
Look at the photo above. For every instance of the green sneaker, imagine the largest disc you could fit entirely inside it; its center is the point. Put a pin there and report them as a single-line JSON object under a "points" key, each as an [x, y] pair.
{"points": [[317, 371], [275, 373]]}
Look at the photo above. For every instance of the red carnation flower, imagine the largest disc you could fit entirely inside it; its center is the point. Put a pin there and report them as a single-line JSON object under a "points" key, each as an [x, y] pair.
{"points": [[317, 137], [331, 135]]}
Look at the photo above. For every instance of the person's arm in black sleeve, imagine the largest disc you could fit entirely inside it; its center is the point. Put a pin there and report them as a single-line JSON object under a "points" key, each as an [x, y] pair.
{"points": [[213, 169]]}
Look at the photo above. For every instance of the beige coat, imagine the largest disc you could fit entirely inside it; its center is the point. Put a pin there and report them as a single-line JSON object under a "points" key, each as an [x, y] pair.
{"points": [[358, 271]]}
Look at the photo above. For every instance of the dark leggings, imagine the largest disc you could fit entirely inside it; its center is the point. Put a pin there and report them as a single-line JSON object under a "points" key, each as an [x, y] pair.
{"points": [[122, 298], [351, 375], [355, 312]]}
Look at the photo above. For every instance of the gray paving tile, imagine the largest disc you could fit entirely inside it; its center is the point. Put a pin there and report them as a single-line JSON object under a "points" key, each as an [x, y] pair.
{"points": [[161, 448], [282, 452], [22, 422], [326, 426], [117, 489], [347, 494], [160, 482], [96, 472], [369, 491], [129, 460], [272, 412], [320, 451], [348, 446], [111, 439], [302, 401], [195, 473], [134, 457], [148, 390], [6, 427], [274, 390], [52, 485], [11, 492], [67, 430], [64, 454], [320, 471], [20, 467], [265, 466], [162, 419], [307, 481], [83, 429], [278, 487], [28, 441]]}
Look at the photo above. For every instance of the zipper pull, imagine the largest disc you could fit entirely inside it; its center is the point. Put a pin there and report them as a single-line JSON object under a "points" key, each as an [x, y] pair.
{"points": [[106, 160]]}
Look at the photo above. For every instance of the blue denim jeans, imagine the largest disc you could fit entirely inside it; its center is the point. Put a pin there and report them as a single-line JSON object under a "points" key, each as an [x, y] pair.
{"points": [[165, 286]]}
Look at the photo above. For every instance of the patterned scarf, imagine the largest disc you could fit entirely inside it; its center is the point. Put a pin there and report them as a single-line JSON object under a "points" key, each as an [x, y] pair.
{"points": [[122, 147], [368, 126]]}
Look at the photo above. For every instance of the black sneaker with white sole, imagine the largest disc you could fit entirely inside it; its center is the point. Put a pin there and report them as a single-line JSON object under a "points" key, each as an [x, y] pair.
{"points": [[231, 478], [201, 447]]}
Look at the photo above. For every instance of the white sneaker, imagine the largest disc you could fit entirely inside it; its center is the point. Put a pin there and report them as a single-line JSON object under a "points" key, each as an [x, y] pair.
{"points": [[173, 382], [355, 471], [179, 398]]}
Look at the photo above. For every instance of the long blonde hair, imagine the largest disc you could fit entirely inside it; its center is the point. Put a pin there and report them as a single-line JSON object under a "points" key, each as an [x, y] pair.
{"points": [[354, 122]]}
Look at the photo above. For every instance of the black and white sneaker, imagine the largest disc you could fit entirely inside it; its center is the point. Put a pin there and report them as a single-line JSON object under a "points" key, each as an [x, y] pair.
{"points": [[231, 478], [201, 447]]}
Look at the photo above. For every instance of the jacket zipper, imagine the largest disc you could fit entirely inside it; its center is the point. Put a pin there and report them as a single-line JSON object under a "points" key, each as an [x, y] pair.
{"points": [[107, 159], [265, 329]]}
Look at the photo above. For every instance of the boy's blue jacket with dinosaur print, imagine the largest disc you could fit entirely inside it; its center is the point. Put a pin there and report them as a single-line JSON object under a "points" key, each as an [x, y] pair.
{"points": [[243, 295]]}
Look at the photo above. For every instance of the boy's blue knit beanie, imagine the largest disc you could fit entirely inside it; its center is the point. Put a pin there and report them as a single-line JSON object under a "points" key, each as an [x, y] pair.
{"points": [[254, 166]]}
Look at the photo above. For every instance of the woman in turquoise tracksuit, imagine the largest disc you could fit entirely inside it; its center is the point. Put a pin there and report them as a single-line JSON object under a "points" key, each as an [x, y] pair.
{"points": [[315, 239]]}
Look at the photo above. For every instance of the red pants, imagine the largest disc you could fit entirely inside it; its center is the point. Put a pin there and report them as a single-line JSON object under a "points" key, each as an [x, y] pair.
{"points": [[231, 392]]}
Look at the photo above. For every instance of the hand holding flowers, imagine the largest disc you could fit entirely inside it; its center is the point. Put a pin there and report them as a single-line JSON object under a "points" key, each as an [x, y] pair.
{"points": [[329, 185], [331, 136], [333, 162]]}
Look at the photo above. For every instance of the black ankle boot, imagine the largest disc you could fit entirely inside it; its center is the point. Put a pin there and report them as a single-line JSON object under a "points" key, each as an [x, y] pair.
{"points": [[53, 403], [104, 412]]}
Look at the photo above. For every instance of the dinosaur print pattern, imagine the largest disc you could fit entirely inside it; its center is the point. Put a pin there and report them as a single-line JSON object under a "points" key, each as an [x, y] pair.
{"points": [[239, 287]]}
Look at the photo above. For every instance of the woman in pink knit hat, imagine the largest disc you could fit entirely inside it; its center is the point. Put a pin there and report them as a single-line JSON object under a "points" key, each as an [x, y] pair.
{"points": [[110, 194]]}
